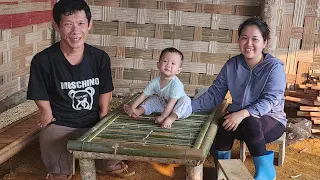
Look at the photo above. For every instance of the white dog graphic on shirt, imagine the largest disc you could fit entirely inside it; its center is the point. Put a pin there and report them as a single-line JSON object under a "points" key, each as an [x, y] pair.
{"points": [[82, 99]]}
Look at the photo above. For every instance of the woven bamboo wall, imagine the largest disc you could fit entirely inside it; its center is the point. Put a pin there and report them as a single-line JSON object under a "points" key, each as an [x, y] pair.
{"points": [[134, 32], [25, 29], [298, 38]]}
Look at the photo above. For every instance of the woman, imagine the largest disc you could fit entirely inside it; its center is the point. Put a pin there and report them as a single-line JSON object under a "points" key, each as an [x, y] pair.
{"points": [[256, 81]]}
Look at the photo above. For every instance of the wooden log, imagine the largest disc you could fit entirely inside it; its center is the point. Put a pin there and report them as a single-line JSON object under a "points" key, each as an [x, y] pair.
{"points": [[15, 147], [299, 100], [270, 14], [87, 169], [300, 94], [204, 129], [194, 172], [302, 113], [315, 87], [136, 149], [208, 140], [94, 155], [315, 130], [302, 86], [315, 118], [309, 108], [234, 169]]}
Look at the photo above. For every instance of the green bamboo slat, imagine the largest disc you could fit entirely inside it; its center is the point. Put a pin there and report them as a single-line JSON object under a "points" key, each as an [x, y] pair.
{"points": [[204, 129], [212, 131], [180, 133], [130, 142], [140, 150], [181, 123], [173, 135], [122, 136], [155, 127], [105, 121]]}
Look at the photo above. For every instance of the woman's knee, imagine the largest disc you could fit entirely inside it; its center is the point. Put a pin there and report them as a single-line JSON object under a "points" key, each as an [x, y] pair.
{"points": [[250, 123]]}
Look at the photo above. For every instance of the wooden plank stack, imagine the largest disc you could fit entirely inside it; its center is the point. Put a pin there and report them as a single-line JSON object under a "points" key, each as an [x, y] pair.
{"points": [[308, 95]]}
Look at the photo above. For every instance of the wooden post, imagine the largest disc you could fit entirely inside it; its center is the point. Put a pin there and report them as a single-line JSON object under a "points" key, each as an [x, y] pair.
{"points": [[87, 169], [194, 172], [269, 13]]}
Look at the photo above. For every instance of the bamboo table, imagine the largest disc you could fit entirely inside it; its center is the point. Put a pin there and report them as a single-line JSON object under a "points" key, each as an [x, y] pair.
{"points": [[119, 137]]}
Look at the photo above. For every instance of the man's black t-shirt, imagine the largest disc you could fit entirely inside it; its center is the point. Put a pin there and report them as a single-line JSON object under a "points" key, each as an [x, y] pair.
{"points": [[73, 91]]}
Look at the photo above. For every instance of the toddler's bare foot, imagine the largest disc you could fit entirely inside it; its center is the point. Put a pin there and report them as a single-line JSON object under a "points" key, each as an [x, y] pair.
{"points": [[169, 120], [137, 112], [159, 119], [126, 108]]}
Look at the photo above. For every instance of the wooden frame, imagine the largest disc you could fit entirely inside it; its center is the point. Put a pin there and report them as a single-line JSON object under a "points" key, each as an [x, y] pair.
{"points": [[97, 144]]}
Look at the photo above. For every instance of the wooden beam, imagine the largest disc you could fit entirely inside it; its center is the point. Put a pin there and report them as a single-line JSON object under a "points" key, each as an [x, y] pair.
{"points": [[309, 108], [314, 114], [270, 15], [234, 169]]}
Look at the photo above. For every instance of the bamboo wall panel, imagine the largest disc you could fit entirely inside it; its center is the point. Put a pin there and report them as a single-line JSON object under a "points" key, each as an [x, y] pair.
{"points": [[297, 38], [134, 32], [25, 29]]}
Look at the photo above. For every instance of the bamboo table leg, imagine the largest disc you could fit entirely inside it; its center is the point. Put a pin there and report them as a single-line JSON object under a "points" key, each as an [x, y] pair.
{"points": [[195, 172], [87, 169]]}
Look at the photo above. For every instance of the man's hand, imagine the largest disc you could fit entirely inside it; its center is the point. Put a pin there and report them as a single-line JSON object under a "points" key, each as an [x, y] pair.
{"points": [[45, 119], [45, 113], [233, 120]]}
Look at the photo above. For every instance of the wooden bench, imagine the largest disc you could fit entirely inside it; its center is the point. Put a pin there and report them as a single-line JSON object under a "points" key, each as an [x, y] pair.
{"points": [[281, 154], [19, 128], [233, 169]]}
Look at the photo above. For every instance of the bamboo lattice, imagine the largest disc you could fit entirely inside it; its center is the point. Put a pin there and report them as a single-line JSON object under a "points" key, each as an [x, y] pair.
{"points": [[119, 134]]}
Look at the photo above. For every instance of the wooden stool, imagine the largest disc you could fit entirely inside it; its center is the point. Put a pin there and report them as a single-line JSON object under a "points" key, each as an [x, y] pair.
{"points": [[281, 154], [233, 169]]}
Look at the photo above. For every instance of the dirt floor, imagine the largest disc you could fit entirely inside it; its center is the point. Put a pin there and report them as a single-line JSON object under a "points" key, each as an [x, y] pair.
{"points": [[302, 162]]}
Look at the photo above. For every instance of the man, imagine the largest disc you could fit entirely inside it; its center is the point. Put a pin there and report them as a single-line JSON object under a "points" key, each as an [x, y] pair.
{"points": [[71, 84]]}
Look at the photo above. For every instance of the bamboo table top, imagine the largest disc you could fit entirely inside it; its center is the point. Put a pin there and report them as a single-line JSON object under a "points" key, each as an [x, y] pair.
{"points": [[119, 134]]}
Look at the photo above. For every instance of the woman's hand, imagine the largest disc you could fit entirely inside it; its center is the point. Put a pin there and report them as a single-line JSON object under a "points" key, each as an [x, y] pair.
{"points": [[233, 120]]}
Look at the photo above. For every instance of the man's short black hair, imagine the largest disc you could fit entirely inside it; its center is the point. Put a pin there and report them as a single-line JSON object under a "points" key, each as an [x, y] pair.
{"points": [[68, 7]]}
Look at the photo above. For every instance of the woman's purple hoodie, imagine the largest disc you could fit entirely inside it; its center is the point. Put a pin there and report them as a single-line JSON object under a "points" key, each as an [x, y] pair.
{"points": [[259, 90]]}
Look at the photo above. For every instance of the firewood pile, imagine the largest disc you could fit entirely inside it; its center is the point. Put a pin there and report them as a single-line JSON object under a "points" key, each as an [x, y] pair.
{"points": [[308, 95]]}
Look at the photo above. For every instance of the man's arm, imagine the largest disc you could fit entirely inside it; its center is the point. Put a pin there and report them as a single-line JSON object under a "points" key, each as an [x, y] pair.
{"points": [[104, 101], [46, 112]]}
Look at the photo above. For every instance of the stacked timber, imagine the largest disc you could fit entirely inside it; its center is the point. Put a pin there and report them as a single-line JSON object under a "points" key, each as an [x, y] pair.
{"points": [[308, 95]]}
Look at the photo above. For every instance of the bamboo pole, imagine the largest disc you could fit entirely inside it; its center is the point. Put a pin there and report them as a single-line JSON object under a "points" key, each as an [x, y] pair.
{"points": [[137, 150], [204, 129], [270, 15], [87, 169], [194, 172], [95, 155], [212, 131]]}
